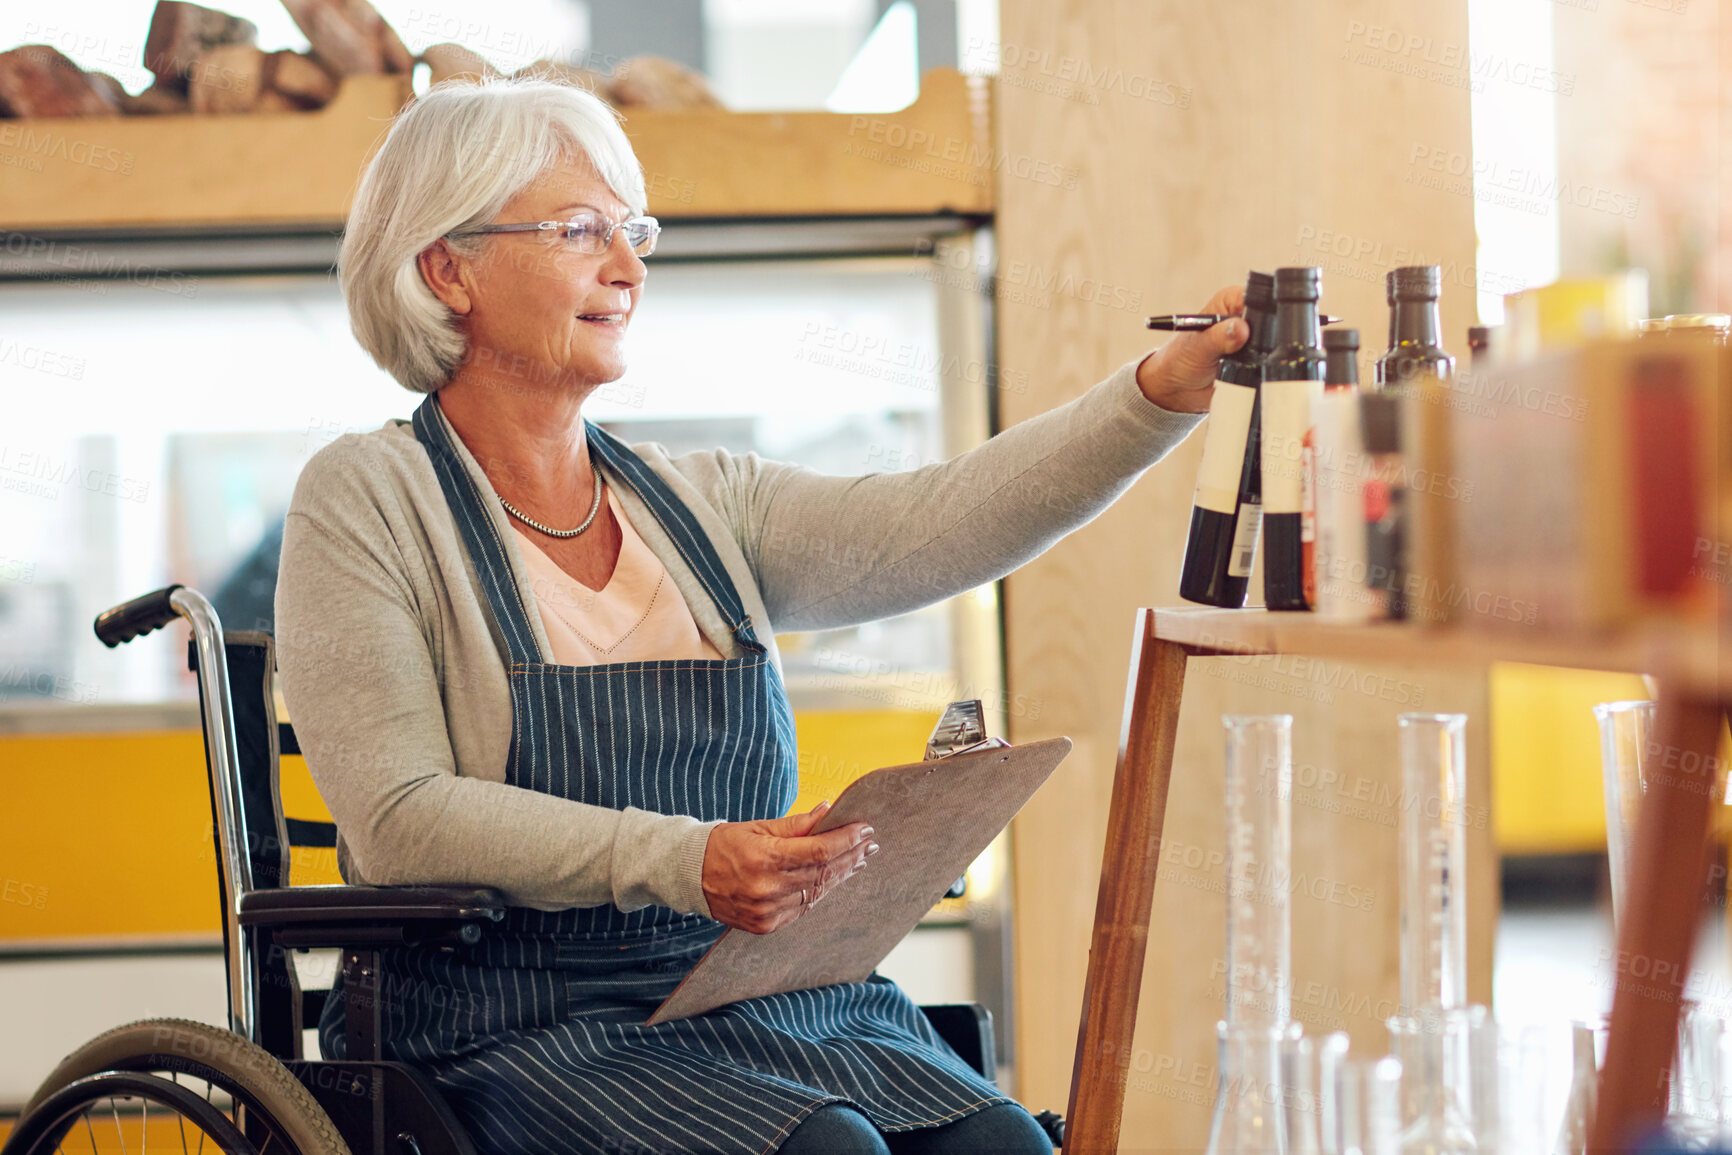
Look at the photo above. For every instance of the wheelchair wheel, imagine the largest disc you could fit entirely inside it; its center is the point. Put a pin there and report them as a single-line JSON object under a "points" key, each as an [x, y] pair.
{"points": [[176, 1083]]}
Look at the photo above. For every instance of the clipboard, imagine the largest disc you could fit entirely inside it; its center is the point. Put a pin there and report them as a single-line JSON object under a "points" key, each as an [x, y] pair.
{"points": [[931, 820]]}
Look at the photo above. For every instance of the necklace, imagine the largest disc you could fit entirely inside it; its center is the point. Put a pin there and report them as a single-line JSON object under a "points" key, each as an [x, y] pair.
{"points": [[594, 505]]}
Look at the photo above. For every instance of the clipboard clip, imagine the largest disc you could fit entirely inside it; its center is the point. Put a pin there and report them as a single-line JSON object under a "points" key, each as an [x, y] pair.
{"points": [[961, 729]]}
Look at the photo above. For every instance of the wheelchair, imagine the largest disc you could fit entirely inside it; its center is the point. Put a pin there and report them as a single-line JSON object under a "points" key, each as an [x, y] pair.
{"points": [[248, 1090]]}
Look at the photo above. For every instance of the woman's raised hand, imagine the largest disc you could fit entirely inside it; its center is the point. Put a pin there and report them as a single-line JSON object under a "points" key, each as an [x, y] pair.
{"points": [[1180, 375], [760, 876]]}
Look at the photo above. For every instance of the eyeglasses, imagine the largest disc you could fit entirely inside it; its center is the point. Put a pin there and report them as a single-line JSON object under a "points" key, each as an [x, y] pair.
{"points": [[588, 233]]}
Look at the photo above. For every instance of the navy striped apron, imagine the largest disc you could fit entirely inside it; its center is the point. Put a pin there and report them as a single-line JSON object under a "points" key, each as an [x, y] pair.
{"points": [[536, 1033]]}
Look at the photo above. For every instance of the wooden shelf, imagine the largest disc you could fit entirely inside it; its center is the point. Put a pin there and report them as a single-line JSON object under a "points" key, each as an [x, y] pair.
{"points": [[301, 168], [935, 156], [1687, 651]]}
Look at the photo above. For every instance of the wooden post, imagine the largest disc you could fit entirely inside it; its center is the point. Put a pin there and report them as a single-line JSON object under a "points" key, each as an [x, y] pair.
{"points": [[1127, 891], [1667, 872]]}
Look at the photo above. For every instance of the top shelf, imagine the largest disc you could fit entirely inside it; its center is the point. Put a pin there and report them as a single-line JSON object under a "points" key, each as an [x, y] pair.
{"points": [[300, 168], [1685, 652]]}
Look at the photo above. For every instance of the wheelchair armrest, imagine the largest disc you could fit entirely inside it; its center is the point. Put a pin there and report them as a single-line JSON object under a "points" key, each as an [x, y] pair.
{"points": [[349, 916]]}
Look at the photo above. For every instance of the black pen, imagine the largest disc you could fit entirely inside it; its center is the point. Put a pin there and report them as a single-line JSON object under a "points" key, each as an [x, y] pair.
{"points": [[1197, 322]]}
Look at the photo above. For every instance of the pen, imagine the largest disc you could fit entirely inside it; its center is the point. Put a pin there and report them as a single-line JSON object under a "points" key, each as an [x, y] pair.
{"points": [[1197, 322]]}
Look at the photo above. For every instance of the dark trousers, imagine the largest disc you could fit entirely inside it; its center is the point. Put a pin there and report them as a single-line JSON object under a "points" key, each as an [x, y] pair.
{"points": [[837, 1130]]}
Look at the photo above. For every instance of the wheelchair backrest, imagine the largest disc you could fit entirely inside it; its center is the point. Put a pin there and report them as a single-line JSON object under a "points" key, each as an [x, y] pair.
{"points": [[260, 742]]}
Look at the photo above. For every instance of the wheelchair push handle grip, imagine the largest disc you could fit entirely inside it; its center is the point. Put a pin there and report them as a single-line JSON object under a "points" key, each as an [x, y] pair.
{"points": [[137, 617]]}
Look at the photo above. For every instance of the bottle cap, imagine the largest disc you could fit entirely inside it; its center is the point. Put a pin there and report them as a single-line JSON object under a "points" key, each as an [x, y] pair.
{"points": [[1260, 292], [1417, 282], [1714, 321], [1298, 283], [1344, 340], [1389, 287], [1380, 418]]}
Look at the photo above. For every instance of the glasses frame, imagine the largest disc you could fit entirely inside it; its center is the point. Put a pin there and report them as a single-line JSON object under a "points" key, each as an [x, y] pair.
{"points": [[613, 226]]}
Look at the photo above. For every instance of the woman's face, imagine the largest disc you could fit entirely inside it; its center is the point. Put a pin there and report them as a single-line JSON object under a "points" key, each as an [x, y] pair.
{"points": [[542, 312]]}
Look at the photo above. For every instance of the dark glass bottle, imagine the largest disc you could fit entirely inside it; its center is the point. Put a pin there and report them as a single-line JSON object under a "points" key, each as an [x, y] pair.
{"points": [[1414, 364], [1478, 343], [1292, 377], [1341, 353], [1227, 511], [1415, 329], [1385, 504]]}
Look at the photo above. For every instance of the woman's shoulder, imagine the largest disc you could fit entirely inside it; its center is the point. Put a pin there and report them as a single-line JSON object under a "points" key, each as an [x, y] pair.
{"points": [[359, 471]]}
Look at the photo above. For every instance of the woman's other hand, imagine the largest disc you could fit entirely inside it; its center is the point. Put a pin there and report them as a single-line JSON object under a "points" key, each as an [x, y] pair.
{"points": [[1180, 375], [760, 876]]}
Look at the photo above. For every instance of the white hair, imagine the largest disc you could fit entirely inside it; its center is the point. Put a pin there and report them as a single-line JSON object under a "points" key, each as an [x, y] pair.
{"points": [[452, 160]]}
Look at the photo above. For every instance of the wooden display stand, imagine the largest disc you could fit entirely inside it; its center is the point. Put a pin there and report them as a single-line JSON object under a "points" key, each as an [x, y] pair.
{"points": [[1669, 864]]}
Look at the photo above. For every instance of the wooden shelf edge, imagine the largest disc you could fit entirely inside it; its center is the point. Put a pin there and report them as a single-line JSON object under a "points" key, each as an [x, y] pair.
{"points": [[935, 156], [1691, 653]]}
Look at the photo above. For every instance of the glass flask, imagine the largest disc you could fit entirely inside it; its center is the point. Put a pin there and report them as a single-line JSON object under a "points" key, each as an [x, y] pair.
{"points": [[1702, 1078], [1626, 728], [1435, 1085], [1331, 1060], [1368, 1108], [1587, 1050], [1248, 1117], [1478, 1072], [1527, 1098], [1259, 816], [1433, 862], [1299, 1100]]}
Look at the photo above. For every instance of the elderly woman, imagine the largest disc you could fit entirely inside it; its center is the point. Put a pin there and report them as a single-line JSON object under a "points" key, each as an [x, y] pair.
{"points": [[522, 654]]}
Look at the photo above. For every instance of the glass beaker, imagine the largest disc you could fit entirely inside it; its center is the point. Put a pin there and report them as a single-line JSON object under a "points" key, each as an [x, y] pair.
{"points": [[1248, 1117], [1626, 728], [1259, 808], [1433, 862]]}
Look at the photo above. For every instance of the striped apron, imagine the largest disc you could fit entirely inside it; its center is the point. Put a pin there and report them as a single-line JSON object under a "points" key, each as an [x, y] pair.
{"points": [[536, 1034]]}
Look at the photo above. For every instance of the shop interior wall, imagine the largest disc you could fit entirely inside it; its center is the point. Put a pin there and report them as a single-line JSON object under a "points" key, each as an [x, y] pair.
{"points": [[1192, 143], [1644, 123]]}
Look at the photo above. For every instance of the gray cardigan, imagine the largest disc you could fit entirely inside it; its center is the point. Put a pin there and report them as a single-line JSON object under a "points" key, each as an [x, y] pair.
{"points": [[395, 678]]}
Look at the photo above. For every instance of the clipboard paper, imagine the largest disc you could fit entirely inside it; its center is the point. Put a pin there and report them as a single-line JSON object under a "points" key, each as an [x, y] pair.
{"points": [[932, 819]]}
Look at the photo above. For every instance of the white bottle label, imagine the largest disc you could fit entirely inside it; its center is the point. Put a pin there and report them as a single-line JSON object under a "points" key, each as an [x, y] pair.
{"points": [[1286, 417], [1224, 447], [1340, 476], [1245, 540]]}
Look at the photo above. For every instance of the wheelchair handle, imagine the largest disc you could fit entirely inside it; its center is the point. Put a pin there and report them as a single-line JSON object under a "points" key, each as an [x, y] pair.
{"points": [[140, 616], [137, 617]]}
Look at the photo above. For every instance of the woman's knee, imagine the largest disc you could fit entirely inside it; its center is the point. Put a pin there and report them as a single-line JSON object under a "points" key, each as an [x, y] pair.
{"points": [[835, 1130], [1006, 1129]]}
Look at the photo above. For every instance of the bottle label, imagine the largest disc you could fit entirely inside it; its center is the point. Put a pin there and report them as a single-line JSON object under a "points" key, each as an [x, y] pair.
{"points": [[1245, 539], [1308, 486], [1286, 418], [1224, 447], [1339, 466]]}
